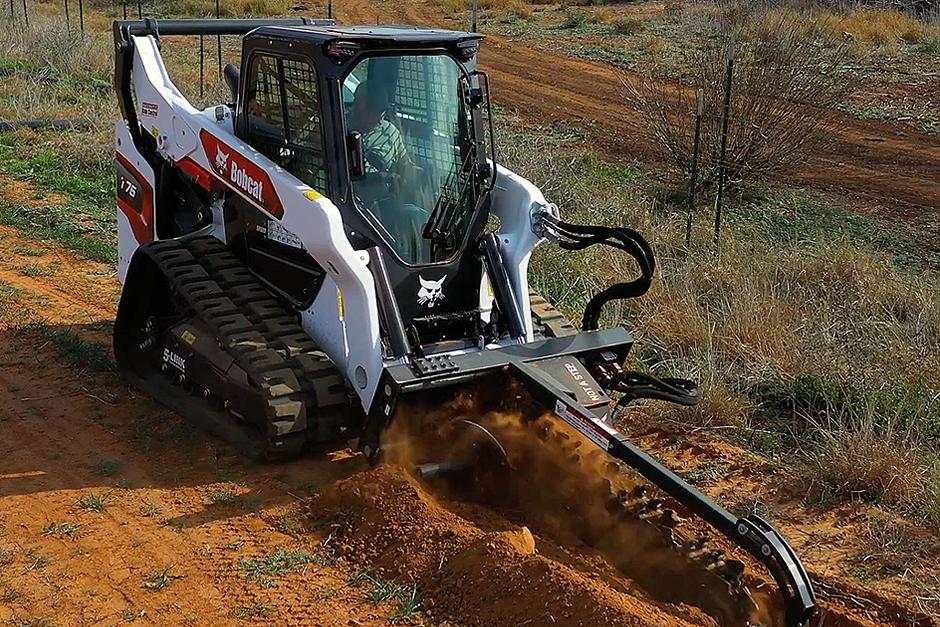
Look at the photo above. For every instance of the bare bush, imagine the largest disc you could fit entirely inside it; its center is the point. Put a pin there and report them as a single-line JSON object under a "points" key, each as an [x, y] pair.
{"points": [[787, 78]]}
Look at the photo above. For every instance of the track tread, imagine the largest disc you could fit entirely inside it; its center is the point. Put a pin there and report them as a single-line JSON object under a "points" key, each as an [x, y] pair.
{"points": [[296, 380]]}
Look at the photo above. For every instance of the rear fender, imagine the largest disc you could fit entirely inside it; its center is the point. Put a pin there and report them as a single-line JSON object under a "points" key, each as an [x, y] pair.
{"points": [[135, 187]]}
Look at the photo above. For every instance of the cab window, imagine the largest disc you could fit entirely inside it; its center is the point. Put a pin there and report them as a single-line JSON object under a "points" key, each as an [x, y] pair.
{"points": [[408, 110], [283, 117]]}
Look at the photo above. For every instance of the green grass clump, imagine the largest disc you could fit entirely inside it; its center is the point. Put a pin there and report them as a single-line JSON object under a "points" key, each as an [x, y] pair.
{"points": [[107, 467], [160, 580], [280, 562], [574, 19], [81, 353], [60, 530], [222, 497], [246, 612], [92, 503]]}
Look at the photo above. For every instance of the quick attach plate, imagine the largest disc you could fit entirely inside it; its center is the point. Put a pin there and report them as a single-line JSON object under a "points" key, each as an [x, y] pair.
{"points": [[433, 365]]}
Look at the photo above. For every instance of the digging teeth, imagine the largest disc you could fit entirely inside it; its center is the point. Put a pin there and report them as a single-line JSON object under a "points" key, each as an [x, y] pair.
{"points": [[669, 519], [649, 509], [697, 548], [714, 559], [733, 572]]}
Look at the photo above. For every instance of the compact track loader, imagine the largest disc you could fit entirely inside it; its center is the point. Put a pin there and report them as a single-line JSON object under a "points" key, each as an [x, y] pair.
{"points": [[341, 237]]}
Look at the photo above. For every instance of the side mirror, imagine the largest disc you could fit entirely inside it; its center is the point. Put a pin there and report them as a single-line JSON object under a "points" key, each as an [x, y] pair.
{"points": [[357, 157]]}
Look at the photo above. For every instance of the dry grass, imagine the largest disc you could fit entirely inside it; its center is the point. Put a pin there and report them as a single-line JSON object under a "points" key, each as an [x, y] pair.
{"points": [[520, 8], [232, 8], [862, 29], [47, 44], [863, 456], [815, 343]]}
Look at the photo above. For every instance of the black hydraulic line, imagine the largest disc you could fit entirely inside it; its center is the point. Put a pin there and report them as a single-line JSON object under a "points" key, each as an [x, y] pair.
{"points": [[752, 534], [636, 385], [55, 125], [388, 306], [502, 288], [578, 237]]}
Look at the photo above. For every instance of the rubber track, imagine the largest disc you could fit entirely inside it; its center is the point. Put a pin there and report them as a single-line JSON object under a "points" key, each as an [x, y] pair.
{"points": [[546, 315], [298, 382]]}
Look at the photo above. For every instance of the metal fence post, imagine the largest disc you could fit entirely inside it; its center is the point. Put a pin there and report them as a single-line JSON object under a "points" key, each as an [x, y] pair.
{"points": [[25, 14], [202, 65], [140, 11], [723, 140], [12, 13], [693, 174], [81, 16], [124, 8], [329, 10], [218, 40], [68, 21], [473, 17]]}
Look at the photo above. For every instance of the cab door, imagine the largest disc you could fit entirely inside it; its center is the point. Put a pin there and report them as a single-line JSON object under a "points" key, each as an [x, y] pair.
{"points": [[280, 115]]}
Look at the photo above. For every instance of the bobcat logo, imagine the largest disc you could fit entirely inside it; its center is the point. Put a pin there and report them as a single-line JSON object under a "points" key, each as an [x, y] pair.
{"points": [[221, 160], [431, 292]]}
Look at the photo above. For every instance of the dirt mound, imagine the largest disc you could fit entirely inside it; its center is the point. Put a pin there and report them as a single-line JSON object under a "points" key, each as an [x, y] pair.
{"points": [[498, 575]]}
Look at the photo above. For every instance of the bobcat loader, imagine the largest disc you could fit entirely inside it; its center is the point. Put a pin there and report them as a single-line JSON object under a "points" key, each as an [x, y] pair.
{"points": [[341, 237]]}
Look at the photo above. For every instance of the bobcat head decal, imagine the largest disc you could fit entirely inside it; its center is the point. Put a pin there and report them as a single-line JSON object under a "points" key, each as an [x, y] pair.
{"points": [[431, 292], [221, 160]]}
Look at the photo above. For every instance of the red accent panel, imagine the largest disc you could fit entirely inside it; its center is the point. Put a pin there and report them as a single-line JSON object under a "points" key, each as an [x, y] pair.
{"points": [[140, 216], [241, 174], [201, 176]]}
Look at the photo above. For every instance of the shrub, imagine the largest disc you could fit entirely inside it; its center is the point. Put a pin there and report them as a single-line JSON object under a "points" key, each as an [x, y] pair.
{"points": [[627, 25], [785, 82]]}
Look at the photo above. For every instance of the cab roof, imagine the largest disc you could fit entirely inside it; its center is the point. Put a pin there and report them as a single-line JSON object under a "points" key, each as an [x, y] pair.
{"points": [[405, 35]]}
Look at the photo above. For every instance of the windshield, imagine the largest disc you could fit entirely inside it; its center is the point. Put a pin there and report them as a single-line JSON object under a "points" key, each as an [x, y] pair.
{"points": [[408, 111]]}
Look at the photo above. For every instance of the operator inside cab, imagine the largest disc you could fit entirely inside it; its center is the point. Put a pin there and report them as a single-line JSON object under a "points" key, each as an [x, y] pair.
{"points": [[387, 189]]}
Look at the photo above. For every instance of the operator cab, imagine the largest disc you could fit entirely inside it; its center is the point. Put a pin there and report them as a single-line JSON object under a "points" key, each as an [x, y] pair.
{"points": [[388, 122]]}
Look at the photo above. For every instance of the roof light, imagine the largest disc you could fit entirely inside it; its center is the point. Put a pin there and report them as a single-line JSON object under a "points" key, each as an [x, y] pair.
{"points": [[341, 51], [468, 48]]}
